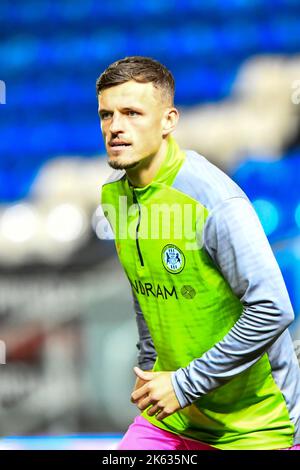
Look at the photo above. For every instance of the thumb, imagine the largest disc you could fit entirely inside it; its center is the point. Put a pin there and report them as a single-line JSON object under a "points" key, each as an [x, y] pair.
{"points": [[144, 375]]}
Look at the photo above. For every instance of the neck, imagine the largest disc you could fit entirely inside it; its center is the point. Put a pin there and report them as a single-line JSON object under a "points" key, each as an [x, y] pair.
{"points": [[145, 171]]}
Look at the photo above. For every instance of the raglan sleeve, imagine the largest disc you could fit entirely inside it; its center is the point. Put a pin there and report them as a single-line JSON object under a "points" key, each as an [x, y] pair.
{"points": [[236, 242], [146, 350]]}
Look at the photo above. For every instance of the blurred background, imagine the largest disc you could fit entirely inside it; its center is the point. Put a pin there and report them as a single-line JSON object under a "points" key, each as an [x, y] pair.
{"points": [[67, 327]]}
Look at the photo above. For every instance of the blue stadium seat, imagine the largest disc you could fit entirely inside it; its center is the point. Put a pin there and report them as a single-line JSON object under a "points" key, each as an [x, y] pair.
{"points": [[52, 52]]}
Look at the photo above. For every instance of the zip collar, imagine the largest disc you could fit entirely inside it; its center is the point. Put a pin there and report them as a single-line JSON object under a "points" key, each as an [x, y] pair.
{"points": [[168, 169]]}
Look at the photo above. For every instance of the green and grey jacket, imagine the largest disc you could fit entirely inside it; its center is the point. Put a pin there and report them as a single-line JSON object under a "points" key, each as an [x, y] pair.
{"points": [[210, 301]]}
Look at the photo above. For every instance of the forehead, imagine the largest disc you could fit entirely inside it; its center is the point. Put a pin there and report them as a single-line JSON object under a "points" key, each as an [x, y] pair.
{"points": [[129, 94]]}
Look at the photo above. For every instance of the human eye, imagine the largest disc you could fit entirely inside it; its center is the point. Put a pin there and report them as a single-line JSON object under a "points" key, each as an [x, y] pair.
{"points": [[132, 113], [105, 115]]}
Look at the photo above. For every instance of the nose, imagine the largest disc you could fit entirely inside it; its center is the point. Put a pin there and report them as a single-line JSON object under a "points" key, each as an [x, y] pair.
{"points": [[116, 125]]}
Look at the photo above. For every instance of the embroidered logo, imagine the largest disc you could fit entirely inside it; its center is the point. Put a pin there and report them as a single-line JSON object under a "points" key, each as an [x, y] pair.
{"points": [[188, 292], [173, 259]]}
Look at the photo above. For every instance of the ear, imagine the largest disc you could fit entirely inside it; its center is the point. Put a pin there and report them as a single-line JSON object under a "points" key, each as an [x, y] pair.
{"points": [[169, 121]]}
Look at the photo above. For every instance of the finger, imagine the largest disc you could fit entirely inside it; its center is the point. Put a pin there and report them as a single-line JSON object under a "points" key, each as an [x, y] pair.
{"points": [[153, 410], [139, 393], [142, 374], [162, 415], [143, 404], [138, 383]]}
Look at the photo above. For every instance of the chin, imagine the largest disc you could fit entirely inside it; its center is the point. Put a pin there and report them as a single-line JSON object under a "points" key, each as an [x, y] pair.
{"points": [[119, 165]]}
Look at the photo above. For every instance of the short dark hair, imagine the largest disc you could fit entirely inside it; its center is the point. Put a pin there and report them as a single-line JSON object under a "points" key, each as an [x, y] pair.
{"points": [[142, 70]]}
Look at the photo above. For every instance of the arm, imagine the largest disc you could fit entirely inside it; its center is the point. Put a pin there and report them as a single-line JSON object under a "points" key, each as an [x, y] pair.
{"points": [[151, 388], [147, 353], [234, 239]]}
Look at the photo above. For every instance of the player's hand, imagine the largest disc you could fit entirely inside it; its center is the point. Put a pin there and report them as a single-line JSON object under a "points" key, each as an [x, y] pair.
{"points": [[157, 391], [139, 383]]}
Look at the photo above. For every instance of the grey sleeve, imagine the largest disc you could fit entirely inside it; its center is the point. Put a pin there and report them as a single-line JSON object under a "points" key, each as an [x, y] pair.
{"points": [[146, 350], [235, 240]]}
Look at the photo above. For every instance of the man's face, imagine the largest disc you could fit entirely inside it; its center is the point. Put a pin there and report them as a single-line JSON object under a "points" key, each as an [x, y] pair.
{"points": [[132, 122]]}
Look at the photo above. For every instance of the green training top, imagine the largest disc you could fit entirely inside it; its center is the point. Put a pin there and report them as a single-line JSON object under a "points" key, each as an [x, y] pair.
{"points": [[213, 300]]}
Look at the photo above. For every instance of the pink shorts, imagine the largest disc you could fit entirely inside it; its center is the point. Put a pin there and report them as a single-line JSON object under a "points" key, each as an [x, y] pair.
{"points": [[142, 435]]}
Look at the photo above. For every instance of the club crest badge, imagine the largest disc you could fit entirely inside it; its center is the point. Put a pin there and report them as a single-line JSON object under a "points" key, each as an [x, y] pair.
{"points": [[173, 259]]}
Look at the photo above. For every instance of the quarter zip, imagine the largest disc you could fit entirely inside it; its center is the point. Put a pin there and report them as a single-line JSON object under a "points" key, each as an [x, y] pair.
{"points": [[137, 229]]}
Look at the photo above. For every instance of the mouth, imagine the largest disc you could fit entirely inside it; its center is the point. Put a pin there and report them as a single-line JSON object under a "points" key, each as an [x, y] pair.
{"points": [[118, 145]]}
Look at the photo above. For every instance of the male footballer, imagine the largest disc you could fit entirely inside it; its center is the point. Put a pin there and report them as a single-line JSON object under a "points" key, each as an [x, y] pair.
{"points": [[216, 364]]}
